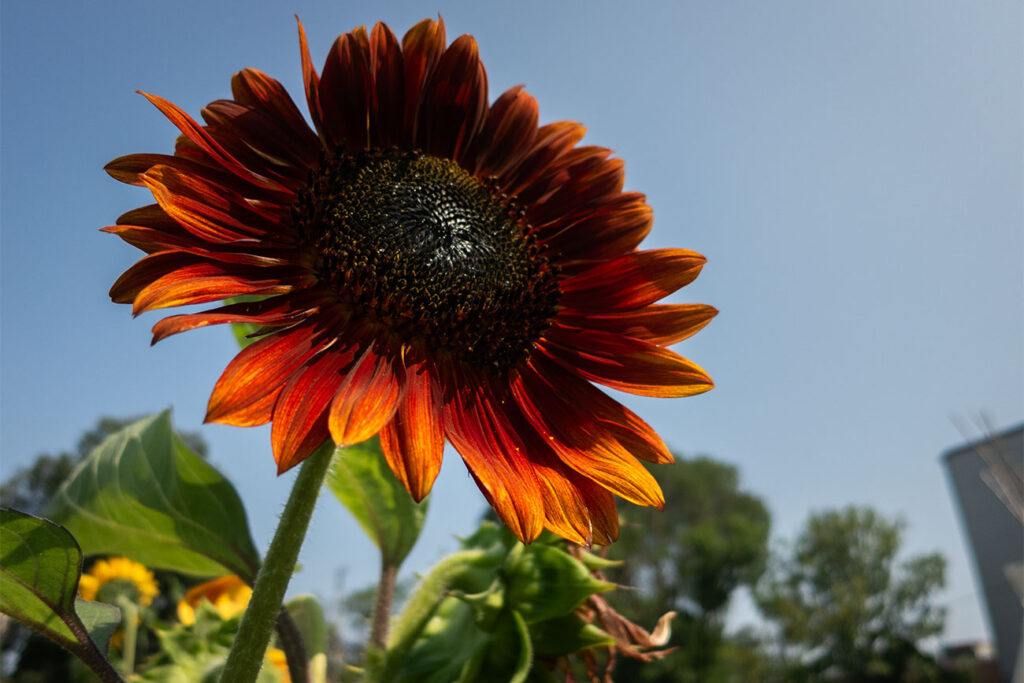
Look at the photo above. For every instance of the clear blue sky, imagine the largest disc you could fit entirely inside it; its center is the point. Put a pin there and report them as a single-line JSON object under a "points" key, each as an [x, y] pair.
{"points": [[852, 170]]}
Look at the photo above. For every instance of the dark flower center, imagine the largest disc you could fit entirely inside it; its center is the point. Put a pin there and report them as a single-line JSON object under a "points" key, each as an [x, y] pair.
{"points": [[417, 243]]}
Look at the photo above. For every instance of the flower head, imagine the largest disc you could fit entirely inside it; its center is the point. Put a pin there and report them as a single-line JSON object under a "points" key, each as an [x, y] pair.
{"points": [[108, 579], [432, 267], [228, 594]]}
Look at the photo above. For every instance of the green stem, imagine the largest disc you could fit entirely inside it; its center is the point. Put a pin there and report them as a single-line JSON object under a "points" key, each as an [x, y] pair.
{"points": [[130, 627], [250, 645], [418, 611], [382, 607]]}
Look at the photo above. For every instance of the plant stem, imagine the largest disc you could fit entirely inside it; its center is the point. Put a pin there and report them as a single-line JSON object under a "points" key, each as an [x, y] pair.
{"points": [[290, 640], [250, 645], [382, 607]]}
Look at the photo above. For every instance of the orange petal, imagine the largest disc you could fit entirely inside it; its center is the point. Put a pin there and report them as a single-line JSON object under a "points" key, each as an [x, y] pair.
{"points": [[552, 141], [413, 442], [245, 394], [272, 311], [199, 137], [367, 399], [205, 282], [582, 443], [300, 413], [624, 363], [632, 281], [633, 434], [495, 459], [661, 324]]}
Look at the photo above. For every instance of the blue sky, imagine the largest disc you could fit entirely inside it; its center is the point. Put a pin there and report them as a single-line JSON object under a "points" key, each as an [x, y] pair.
{"points": [[852, 170]]}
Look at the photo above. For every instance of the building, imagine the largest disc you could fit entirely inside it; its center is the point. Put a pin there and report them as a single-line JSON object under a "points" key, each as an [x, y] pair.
{"points": [[987, 478]]}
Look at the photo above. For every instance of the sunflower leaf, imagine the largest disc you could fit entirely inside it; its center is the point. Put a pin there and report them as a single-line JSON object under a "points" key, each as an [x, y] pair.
{"points": [[142, 493], [100, 620], [363, 482], [40, 565], [308, 615]]}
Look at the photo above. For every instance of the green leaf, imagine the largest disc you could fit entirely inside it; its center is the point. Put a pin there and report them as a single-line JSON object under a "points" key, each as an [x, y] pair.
{"points": [[363, 482], [142, 493], [546, 582], [100, 620], [308, 615], [40, 565], [567, 634]]}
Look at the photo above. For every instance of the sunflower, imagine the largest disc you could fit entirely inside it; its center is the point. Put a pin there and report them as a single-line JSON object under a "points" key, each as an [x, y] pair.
{"points": [[429, 267], [228, 594], [113, 577]]}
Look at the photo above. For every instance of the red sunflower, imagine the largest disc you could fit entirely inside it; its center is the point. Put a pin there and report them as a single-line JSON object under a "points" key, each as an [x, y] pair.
{"points": [[431, 268]]}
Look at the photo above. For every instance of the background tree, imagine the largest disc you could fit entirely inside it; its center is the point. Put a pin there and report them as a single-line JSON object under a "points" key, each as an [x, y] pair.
{"points": [[711, 539], [845, 609]]}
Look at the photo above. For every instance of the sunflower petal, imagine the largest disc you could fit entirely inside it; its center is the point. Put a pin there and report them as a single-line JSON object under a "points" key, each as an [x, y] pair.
{"points": [[367, 399], [632, 433], [311, 84], [507, 134], [344, 91], [422, 46], [272, 311], [199, 137], [494, 458], [387, 75], [455, 100], [256, 89], [582, 443], [624, 363], [631, 281], [245, 394], [413, 442], [661, 324], [300, 412]]}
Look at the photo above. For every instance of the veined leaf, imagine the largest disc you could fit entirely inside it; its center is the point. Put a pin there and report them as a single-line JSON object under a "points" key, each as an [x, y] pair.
{"points": [[100, 620], [142, 493], [40, 565], [363, 482]]}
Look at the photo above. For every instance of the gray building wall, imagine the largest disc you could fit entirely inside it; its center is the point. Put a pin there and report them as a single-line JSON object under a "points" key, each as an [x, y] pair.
{"points": [[986, 478]]}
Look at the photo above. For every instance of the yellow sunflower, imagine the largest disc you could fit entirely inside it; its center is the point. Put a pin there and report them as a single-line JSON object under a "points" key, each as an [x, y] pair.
{"points": [[113, 577], [228, 594]]}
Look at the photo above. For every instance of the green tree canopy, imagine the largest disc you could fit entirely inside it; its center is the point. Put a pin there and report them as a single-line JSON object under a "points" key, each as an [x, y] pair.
{"points": [[711, 538], [845, 608]]}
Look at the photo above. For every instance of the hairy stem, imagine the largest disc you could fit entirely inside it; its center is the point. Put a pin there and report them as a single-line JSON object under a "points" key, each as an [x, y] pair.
{"points": [[250, 645], [382, 607]]}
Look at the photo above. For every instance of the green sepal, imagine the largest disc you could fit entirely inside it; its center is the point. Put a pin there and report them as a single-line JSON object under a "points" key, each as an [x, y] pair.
{"points": [[547, 582], [567, 634]]}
